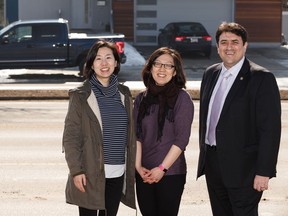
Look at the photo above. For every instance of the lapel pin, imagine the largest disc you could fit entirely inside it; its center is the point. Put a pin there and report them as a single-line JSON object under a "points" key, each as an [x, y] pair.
{"points": [[241, 78]]}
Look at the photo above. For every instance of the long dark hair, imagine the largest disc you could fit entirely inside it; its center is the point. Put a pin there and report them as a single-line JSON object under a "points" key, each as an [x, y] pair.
{"points": [[88, 71], [166, 96]]}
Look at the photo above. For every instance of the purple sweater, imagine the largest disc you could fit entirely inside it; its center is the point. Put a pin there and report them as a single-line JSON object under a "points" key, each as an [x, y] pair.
{"points": [[177, 133]]}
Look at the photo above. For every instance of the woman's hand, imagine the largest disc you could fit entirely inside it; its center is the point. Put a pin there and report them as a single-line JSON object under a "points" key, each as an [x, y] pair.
{"points": [[145, 174], [80, 182], [156, 174], [150, 176]]}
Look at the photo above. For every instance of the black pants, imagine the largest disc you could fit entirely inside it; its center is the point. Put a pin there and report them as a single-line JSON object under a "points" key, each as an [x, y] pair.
{"points": [[162, 198], [113, 191], [228, 201]]}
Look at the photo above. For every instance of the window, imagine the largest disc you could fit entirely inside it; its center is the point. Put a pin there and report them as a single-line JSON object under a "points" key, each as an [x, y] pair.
{"points": [[191, 29], [49, 32], [146, 26], [146, 39], [146, 2], [19, 34], [285, 5], [146, 14]]}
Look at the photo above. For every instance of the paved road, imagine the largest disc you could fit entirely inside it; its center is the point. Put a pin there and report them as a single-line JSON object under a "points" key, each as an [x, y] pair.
{"points": [[33, 170]]}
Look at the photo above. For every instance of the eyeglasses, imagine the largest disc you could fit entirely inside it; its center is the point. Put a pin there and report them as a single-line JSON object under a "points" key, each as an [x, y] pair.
{"points": [[166, 66]]}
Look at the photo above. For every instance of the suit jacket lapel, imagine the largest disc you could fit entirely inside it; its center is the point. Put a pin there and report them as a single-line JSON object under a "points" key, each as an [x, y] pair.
{"points": [[238, 83], [211, 82]]}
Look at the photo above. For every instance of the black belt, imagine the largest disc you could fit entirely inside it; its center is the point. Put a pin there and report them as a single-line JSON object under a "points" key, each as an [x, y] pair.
{"points": [[211, 147]]}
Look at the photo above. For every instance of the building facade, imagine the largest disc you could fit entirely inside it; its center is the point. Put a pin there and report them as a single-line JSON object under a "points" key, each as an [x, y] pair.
{"points": [[140, 20]]}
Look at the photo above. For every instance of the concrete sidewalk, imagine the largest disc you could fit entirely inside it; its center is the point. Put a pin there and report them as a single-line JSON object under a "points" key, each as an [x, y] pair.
{"points": [[274, 58], [60, 91]]}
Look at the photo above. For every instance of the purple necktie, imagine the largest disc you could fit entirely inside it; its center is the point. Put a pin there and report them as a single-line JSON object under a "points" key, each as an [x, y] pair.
{"points": [[216, 107]]}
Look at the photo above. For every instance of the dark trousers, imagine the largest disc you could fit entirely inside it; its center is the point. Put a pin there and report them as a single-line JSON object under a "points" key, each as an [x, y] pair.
{"points": [[162, 198], [113, 191], [228, 201]]}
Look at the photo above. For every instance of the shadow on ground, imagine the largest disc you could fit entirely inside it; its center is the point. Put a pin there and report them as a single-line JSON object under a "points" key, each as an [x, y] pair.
{"points": [[44, 78]]}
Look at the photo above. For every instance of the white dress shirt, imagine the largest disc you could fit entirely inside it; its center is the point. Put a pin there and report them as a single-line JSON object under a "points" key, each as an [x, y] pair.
{"points": [[233, 74]]}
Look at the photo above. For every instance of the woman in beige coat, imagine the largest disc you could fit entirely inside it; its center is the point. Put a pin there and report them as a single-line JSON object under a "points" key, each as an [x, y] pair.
{"points": [[99, 138]]}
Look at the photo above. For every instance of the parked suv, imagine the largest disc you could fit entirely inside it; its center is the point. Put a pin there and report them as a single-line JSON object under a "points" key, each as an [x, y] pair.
{"points": [[186, 37]]}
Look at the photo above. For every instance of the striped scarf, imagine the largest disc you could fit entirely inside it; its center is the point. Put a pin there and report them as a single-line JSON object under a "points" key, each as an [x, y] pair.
{"points": [[114, 120]]}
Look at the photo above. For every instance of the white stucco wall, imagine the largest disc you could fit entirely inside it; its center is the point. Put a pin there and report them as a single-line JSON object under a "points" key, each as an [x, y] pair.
{"points": [[209, 13], [72, 10], [44, 9]]}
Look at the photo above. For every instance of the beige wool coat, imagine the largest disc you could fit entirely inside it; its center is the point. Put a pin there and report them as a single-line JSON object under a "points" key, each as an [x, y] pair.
{"points": [[82, 144]]}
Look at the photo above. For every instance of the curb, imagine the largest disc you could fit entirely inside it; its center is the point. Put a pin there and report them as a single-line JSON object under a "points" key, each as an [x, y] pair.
{"points": [[48, 92]]}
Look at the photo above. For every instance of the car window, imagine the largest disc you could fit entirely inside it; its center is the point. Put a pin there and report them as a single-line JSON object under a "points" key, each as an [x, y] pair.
{"points": [[169, 27], [48, 33], [191, 29], [19, 34]]}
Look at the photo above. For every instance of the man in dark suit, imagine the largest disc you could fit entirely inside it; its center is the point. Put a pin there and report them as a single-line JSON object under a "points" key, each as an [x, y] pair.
{"points": [[240, 127]]}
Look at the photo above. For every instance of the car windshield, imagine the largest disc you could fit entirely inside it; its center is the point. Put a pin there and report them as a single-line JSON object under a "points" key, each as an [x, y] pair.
{"points": [[188, 29], [5, 29]]}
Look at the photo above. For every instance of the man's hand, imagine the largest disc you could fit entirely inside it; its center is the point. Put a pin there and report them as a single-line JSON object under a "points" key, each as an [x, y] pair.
{"points": [[261, 183]]}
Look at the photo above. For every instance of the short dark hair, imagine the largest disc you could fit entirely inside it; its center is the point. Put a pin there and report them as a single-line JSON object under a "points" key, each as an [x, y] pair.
{"points": [[234, 28], [179, 79], [88, 71]]}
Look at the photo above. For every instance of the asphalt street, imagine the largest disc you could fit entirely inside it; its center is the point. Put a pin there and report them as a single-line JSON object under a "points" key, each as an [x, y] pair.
{"points": [[33, 170]]}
